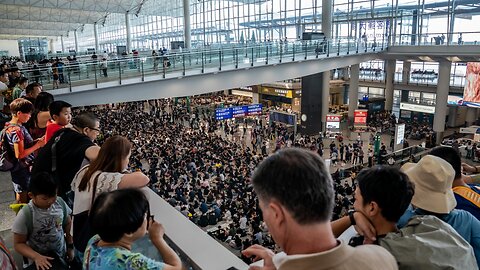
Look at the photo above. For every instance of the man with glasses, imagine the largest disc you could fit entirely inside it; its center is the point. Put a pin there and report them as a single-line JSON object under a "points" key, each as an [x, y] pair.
{"points": [[73, 148]]}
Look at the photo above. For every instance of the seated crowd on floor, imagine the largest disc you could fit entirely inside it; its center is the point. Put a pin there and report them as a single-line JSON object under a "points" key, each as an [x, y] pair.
{"points": [[249, 184]]}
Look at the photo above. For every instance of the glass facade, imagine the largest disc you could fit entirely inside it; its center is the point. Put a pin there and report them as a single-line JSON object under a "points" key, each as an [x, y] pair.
{"points": [[33, 48], [158, 22]]}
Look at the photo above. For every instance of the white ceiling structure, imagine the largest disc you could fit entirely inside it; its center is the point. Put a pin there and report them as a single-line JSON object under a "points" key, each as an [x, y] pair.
{"points": [[55, 17]]}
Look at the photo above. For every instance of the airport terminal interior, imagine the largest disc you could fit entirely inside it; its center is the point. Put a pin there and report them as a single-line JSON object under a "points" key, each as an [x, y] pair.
{"points": [[201, 93]]}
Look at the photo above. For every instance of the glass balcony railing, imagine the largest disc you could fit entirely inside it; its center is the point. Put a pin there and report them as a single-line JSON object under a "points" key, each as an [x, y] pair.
{"points": [[195, 247], [429, 39], [119, 70]]}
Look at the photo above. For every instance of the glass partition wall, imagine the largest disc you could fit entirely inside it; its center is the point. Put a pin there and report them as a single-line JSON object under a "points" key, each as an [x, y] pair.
{"points": [[157, 23]]}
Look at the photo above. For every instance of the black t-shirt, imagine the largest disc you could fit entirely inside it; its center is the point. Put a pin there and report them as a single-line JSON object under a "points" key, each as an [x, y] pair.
{"points": [[70, 156]]}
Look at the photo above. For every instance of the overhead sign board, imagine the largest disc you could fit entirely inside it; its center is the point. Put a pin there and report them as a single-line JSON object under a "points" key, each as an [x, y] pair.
{"points": [[223, 113], [254, 109], [239, 111]]}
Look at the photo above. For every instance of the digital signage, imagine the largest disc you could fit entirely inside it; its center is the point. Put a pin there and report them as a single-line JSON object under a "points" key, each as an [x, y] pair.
{"points": [[223, 113], [333, 121], [471, 92], [360, 117], [254, 109], [239, 111]]}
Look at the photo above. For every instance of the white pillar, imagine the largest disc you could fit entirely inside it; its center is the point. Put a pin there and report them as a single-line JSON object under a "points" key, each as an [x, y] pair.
{"points": [[353, 91], [95, 33], [390, 76], [51, 46], [63, 45], [327, 18], [325, 98], [443, 87], [129, 33], [76, 41], [187, 30]]}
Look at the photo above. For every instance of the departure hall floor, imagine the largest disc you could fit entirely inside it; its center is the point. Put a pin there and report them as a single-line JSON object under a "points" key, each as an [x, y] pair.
{"points": [[7, 195]]}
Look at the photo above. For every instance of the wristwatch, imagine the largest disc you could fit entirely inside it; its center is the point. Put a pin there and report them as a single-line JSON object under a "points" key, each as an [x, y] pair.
{"points": [[70, 246], [352, 218]]}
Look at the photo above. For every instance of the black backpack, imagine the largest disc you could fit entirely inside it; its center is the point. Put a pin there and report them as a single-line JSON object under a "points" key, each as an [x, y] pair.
{"points": [[8, 161]]}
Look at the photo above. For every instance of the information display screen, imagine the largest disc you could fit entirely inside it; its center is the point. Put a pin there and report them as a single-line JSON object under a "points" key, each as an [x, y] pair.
{"points": [[239, 111], [472, 83], [360, 117], [254, 109], [223, 113], [285, 118], [333, 122]]}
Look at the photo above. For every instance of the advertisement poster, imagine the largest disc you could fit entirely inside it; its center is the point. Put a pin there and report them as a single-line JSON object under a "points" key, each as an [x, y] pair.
{"points": [[333, 121], [360, 117], [472, 83]]}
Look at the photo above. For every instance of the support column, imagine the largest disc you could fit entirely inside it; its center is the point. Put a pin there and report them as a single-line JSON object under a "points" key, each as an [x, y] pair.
{"points": [[443, 86], [327, 31], [471, 116], [390, 76], [414, 38], [325, 101], [407, 66], [95, 33], [353, 91], [129, 33], [63, 45], [76, 41], [51, 46], [327, 18], [187, 30], [312, 103], [451, 23]]}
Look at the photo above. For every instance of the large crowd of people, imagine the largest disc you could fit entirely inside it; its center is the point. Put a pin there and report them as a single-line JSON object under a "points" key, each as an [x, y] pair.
{"points": [[247, 182], [202, 166]]}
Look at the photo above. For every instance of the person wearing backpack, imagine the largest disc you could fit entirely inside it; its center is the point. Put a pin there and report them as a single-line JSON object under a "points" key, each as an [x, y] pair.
{"points": [[382, 195], [41, 230], [21, 144]]}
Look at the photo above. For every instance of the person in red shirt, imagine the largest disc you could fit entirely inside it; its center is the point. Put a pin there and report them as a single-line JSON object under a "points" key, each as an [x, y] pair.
{"points": [[61, 114]]}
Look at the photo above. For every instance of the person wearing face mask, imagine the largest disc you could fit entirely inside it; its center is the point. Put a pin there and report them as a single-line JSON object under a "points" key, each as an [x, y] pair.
{"points": [[106, 173]]}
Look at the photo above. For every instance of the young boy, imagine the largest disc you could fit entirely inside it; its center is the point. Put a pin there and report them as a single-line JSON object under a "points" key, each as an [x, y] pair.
{"points": [[61, 113], [39, 228], [22, 144]]}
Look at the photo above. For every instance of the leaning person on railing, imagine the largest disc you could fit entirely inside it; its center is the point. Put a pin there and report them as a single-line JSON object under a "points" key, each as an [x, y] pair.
{"points": [[120, 218]]}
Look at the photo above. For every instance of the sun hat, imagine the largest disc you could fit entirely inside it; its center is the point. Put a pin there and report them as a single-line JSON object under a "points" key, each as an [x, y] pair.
{"points": [[433, 177]]}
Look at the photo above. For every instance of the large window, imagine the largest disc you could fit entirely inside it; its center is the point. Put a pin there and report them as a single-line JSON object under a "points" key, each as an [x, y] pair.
{"points": [[158, 22]]}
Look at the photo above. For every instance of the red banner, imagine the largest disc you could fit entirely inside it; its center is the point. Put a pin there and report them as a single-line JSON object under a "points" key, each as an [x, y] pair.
{"points": [[360, 117]]}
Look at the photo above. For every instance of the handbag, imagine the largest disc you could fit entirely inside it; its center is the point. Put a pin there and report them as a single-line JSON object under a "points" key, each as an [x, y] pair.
{"points": [[81, 227]]}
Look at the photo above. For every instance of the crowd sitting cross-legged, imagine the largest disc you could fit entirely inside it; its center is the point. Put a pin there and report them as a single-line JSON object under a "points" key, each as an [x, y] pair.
{"points": [[252, 185]]}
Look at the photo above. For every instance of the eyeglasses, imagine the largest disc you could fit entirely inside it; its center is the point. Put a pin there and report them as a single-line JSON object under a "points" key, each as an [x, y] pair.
{"points": [[96, 129]]}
